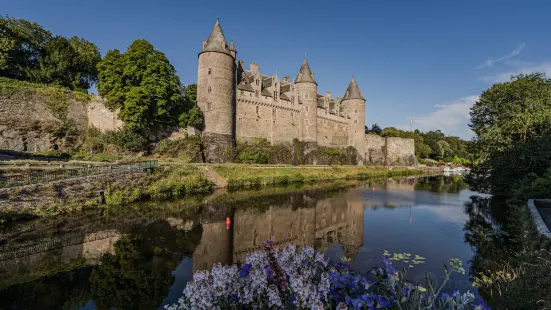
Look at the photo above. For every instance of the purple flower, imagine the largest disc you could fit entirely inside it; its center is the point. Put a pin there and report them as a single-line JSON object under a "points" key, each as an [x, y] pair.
{"points": [[381, 301], [245, 270]]}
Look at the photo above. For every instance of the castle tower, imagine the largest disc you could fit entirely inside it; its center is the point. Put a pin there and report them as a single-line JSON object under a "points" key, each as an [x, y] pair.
{"points": [[355, 101], [216, 95], [308, 96]]}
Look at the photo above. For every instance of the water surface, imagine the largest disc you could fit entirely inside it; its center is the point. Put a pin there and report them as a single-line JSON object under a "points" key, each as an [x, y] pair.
{"points": [[141, 257]]}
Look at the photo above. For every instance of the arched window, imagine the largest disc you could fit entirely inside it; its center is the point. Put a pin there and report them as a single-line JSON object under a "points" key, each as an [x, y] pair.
{"points": [[209, 89], [210, 70]]}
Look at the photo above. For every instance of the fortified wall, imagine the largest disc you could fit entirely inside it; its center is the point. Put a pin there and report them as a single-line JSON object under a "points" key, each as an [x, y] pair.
{"points": [[240, 104], [41, 119]]}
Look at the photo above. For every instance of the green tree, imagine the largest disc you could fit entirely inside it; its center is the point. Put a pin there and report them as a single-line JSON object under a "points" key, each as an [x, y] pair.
{"points": [[511, 112], [190, 114], [141, 83], [21, 46], [512, 123]]}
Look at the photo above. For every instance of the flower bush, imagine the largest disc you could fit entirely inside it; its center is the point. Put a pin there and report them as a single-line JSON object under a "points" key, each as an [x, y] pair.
{"points": [[306, 279]]}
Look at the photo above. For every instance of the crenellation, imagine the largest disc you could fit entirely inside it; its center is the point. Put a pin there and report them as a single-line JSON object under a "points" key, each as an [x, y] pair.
{"points": [[280, 110]]}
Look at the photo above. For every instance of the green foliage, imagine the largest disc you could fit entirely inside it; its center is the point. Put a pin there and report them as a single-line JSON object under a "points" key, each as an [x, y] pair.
{"points": [[141, 83], [29, 52], [127, 140], [257, 152], [192, 117], [507, 151], [188, 149]]}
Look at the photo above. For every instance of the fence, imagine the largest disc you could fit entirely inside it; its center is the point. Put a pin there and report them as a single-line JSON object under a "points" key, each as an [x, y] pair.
{"points": [[56, 175]]}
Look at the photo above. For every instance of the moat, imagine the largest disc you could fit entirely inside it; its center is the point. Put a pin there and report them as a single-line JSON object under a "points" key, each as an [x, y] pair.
{"points": [[141, 257]]}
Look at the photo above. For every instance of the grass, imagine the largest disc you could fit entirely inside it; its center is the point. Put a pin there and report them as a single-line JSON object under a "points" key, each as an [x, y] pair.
{"points": [[164, 183], [246, 175]]}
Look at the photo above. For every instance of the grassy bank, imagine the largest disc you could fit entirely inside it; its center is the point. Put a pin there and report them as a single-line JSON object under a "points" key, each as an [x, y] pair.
{"points": [[246, 175], [76, 196]]}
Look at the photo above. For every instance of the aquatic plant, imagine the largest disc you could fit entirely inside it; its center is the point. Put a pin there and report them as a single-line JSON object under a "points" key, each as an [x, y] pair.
{"points": [[306, 279]]}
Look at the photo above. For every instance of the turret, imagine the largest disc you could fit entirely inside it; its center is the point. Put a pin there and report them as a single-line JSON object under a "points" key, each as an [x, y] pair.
{"points": [[308, 96], [355, 101], [215, 94]]}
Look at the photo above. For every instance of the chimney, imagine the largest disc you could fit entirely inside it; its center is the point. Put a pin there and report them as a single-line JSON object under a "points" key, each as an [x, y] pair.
{"points": [[254, 68]]}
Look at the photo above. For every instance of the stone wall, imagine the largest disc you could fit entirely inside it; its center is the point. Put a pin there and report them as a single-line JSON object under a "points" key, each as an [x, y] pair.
{"points": [[400, 152], [100, 117], [28, 124], [375, 152], [332, 130], [389, 151]]}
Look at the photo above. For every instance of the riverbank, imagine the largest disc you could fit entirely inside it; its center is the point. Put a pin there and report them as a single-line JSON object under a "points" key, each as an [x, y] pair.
{"points": [[167, 183], [249, 175]]}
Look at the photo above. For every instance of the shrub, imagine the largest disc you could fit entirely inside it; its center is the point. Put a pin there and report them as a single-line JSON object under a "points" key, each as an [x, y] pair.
{"points": [[127, 139]]}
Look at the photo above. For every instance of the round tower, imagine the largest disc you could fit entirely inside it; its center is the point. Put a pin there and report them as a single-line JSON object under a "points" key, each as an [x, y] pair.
{"points": [[308, 96], [355, 101], [215, 95]]}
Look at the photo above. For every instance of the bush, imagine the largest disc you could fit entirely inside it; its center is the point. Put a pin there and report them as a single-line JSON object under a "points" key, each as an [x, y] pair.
{"points": [[128, 140], [188, 149]]}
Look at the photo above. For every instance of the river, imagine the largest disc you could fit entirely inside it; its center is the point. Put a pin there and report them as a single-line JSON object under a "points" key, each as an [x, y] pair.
{"points": [[141, 256]]}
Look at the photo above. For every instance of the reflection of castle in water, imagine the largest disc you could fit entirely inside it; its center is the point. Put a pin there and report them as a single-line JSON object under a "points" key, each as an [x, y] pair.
{"points": [[302, 219], [314, 218]]}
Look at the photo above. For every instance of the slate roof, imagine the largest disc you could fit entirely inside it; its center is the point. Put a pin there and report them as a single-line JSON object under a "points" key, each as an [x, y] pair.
{"points": [[217, 41], [305, 74], [353, 91]]}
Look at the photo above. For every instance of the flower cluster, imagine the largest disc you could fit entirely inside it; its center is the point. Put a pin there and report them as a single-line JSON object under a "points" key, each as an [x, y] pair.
{"points": [[291, 279]]}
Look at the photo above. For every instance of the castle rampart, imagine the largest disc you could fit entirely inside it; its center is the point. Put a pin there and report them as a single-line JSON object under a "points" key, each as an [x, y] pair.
{"points": [[241, 104]]}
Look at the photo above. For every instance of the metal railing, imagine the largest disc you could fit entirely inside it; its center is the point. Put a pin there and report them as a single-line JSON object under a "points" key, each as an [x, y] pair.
{"points": [[57, 175]]}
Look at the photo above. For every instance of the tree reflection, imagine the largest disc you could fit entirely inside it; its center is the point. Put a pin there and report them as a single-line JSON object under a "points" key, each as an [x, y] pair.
{"points": [[439, 184], [139, 274]]}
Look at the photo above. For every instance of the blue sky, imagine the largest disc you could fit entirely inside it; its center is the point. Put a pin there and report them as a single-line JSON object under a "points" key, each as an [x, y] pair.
{"points": [[426, 60]]}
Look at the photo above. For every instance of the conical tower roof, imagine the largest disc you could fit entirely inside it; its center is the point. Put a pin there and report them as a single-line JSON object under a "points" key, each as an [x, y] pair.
{"points": [[216, 41], [305, 75], [353, 91]]}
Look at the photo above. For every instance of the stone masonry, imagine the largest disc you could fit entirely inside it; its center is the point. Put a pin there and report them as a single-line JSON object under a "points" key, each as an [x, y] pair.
{"points": [[241, 104]]}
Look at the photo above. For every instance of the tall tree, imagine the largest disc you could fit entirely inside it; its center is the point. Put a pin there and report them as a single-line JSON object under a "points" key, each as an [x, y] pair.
{"points": [[141, 83], [512, 111], [512, 123], [21, 46]]}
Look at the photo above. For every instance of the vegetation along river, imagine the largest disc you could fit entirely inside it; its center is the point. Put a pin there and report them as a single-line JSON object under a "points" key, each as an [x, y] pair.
{"points": [[141, 257]]}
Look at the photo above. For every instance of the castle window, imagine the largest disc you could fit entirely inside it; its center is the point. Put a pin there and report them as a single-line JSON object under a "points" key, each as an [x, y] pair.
{"points": [[275, 95], [257, 82], [273, 113], [210, 70], [208, 106], [257, 110], [242, 92], [293, 100], [209, 89], [356, 111], [256, 93]]}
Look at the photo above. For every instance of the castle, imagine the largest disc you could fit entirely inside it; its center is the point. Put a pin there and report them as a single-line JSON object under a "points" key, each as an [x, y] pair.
{"points": [[240, 104]]}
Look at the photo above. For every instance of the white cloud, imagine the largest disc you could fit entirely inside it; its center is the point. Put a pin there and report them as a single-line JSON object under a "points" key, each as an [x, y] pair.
{"points": [[517, 68], [490, 62], [452, 118]]}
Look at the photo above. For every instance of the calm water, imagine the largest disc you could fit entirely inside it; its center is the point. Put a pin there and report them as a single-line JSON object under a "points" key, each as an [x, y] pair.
{"points": [[141, 257]]}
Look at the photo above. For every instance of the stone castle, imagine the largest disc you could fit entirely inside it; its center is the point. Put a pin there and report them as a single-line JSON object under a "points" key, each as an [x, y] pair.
{"points": [[240, 104]]}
